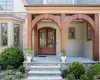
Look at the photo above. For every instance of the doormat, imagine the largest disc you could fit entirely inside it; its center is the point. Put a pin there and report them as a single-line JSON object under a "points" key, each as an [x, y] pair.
{"points": [[42, 56]]}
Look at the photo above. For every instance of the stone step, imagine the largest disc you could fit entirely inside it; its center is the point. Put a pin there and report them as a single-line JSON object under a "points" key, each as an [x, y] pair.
{"points": [[45, 78], [45, 68], [44, 73]]}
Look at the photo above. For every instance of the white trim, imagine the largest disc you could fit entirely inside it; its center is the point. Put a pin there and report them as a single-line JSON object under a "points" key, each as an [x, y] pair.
{"points": [[10, 33]]}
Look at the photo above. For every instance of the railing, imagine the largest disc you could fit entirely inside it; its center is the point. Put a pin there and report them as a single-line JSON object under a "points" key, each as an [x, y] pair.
{"points": [[93, 2]]}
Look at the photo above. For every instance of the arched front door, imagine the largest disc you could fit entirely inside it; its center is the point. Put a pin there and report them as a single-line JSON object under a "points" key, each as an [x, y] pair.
{"points": [[47, 41]]}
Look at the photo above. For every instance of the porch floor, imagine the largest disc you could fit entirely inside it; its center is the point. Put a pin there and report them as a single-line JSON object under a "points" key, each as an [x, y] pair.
{"points": [[56, 59]]}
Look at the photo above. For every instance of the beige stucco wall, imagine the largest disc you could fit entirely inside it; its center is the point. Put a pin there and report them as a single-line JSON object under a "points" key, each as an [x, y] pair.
{"points": [[88, 46], [75, 47], [10, 23]]}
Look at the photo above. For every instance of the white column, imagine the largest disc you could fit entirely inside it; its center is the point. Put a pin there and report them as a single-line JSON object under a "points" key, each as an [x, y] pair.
{"points": [[99, 36], [44, 1], [10, 33]]}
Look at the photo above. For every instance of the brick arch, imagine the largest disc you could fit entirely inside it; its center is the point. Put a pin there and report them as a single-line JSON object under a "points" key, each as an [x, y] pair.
{"points": [[81, 17], [46, 16]]}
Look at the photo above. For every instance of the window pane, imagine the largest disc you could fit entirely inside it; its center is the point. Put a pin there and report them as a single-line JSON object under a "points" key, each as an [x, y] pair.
{"points": [[16, 34], [5, 4], [4, 34]]}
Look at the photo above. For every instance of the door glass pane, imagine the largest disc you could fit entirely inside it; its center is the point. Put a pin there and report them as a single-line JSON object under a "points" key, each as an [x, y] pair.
{"points": [[50, 38], [42, 38]]}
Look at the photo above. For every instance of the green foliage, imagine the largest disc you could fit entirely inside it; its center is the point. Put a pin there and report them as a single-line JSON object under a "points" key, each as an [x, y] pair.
{"points": [[63, 53], [10, 67], [83, 77], [8, 77], [65, 72], [19, 75], [29, 52], [9, 72], [0, 68], [71, 76], [77, 69], [93, 71], [21, 69], [12, 56], [96, 77]]}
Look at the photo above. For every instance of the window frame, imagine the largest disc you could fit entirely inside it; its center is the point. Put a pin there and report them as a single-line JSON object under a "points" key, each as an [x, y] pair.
{"points": [[87, 32], [18, 33], [2, 35], [8, 5], [69, 33]]}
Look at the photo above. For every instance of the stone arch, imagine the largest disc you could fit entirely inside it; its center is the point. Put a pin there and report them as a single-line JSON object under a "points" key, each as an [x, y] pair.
{"points": [[46, 16], [82, 17]]}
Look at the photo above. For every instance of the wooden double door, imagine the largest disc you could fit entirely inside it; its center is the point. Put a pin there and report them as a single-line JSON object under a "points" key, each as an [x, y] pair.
{"points": [[47, 41]]}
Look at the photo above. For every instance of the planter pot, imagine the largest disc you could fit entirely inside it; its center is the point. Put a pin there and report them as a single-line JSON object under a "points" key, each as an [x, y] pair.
{"points": [[63, 58], [29, 58]]}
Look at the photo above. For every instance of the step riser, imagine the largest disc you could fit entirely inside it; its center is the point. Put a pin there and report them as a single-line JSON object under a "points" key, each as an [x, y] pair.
{"points": [[45, 64], [44, 69], [44, 79], [43, 75]]}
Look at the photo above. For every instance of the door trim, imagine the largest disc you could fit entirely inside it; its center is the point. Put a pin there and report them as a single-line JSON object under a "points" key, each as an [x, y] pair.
{"points": [[46, 39]]}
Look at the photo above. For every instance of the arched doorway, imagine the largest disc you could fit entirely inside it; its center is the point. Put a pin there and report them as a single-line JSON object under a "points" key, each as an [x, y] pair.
{"points": [[37, 49], [94, 26], [47, 41]]}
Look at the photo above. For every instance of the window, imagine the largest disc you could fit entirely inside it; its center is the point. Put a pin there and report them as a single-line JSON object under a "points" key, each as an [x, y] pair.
{"points": [[4, 34], [6, 4], [89, 32], [71, 33], [16, 34]]}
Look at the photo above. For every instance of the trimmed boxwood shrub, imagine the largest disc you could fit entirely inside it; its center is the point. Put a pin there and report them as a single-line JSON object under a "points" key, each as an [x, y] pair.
{"points": [[21, 69], [71, 76], [10, 67], [77, 68], [93, 70], [83, 77], [12, 56], [64, 74], [0, 68]]}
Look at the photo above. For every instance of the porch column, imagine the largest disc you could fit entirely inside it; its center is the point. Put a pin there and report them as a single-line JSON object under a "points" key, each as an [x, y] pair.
{"points": [[35, 41], [29, 31], [96, 39], [10, 34], [63, 32]]}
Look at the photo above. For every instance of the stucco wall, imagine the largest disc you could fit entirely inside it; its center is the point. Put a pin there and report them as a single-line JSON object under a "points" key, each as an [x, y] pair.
{"points": [[75, 47], [88, 46]]}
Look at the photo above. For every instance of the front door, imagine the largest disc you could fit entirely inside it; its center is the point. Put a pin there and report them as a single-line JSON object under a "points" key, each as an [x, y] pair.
{"points": [[47, 41]]}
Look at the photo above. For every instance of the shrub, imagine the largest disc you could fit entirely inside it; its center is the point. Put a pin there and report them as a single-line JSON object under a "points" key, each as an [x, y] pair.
{"points": [[10, 67], [21, 69], [8, 77], [9, 72], [77, 69], [0, 68], [83, 77], [12, 56], [65, 72], [96, 77], [93, 71], [71, 76], [19, 75]]}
